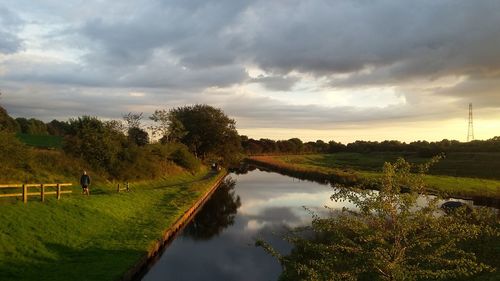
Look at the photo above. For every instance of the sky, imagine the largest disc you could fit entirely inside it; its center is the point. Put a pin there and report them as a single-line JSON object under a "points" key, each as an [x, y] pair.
{"points": [[330, 70]]}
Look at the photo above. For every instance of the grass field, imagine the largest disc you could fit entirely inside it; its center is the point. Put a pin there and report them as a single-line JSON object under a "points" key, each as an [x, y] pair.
{"points": [[460, 174], [41, 141], [474, 165], [91, 238]]}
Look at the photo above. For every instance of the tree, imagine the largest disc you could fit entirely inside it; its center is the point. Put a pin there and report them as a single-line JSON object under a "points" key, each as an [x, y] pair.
{"points": [[217, 214], [57, 128], [389, 236], [205, 130], [89, 138], [138, 136], [7, 123], [32, 126], [160, 117], [133, 120]]}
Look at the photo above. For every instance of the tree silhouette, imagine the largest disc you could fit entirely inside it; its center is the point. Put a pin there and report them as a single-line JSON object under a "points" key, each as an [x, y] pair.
{"points": [[217, 214]]}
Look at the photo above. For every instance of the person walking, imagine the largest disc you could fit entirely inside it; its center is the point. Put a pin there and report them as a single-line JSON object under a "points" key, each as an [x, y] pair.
{"points": [[85, 183]]}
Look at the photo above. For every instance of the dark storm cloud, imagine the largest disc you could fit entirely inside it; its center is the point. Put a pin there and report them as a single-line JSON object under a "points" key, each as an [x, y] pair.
{"points": [[10, 24]]}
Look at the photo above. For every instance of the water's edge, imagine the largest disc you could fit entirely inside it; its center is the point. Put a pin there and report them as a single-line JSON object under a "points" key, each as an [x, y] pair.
{"points": [[144, 263], [321, 178]]}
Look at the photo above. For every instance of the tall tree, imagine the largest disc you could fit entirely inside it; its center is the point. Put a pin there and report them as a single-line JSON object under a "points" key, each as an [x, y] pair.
{"points": [[206, 130]]}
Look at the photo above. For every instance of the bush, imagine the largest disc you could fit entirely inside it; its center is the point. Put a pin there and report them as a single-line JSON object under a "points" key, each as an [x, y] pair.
{"points": [[182, 157], [388, 236]]}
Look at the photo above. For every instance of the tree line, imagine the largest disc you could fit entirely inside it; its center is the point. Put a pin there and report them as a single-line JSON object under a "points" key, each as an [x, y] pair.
{"points": [[122, 149], [423, 148]]}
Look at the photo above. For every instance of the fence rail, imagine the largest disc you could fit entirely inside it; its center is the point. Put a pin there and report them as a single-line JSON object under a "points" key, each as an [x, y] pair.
{"points": [[42, 193]]}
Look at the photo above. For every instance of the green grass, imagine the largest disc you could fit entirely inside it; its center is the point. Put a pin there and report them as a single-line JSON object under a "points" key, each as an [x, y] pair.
{"points": [[461, 164], [91, 238], [41, 141], [459, 174]]}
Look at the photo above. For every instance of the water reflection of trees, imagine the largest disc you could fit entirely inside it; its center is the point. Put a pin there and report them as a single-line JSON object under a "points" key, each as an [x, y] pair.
{"points": [[217, 214], [243, 168]]}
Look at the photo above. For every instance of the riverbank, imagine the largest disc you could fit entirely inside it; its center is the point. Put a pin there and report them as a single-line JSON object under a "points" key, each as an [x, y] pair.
{"points": [[93, 238], [326, 168]]}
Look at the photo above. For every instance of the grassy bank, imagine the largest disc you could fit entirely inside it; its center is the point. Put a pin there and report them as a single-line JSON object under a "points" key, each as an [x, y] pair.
{"points": [[456, 175], [92, 238]]}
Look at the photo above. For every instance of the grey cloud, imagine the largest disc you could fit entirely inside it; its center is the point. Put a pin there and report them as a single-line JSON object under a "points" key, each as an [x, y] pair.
{"points": [[276, 83], [175, 50], [10, 24], [198, 33], [483, 93], [158, 74], [325, 37], [398, 40], [263, 112]]}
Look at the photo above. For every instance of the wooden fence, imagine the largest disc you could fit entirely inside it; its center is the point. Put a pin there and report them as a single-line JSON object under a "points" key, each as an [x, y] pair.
{"points": [[124, 187], [42, 193]]}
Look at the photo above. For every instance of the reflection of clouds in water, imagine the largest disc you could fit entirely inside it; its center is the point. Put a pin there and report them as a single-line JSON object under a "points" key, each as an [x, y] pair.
{"points": [[295, 200], [270, 205], [274, 216]]}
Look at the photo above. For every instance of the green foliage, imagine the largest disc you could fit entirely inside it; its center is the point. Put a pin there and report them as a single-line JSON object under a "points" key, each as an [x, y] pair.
{"points": [[7, 123], [422, 148], [389, 236], [138, 136], [205, 130], [43, 141], [32, 126], [14, 154], [182, 157], [89, 139], [57, 128], [21, 163]]}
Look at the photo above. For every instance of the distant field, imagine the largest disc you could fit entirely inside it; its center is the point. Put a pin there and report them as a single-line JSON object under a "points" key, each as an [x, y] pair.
{"points": [[473, 165], [460, 174], [41, 141]]}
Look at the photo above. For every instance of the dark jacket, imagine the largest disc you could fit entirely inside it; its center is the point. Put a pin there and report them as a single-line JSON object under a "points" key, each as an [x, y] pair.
{"points": [[85, 180]]}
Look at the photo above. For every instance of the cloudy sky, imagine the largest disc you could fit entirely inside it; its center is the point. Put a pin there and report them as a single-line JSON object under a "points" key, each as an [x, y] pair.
{"points": [[331, 70]]}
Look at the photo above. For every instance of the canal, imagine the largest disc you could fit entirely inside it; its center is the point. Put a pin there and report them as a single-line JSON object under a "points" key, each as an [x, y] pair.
{"points": [[218, 244]]}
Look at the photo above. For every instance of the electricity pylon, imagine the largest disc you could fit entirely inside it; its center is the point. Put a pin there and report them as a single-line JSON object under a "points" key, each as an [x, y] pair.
{"points": [[470, 130]]}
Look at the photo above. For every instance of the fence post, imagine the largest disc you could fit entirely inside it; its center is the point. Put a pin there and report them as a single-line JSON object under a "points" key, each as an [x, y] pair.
{"points": [[58, 192], [25, 193], [42, 193], [118, 188]]}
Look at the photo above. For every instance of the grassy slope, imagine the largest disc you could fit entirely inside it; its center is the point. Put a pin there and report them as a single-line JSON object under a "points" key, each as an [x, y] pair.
{"points": [[443, 179], [91, 238]]}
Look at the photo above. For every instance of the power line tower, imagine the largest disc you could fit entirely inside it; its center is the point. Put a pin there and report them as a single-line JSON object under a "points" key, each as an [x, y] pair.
{"points": [[470, 130]]}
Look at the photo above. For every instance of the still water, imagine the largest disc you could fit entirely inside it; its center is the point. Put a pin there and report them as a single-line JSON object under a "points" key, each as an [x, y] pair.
{"points": [[219, 243]]}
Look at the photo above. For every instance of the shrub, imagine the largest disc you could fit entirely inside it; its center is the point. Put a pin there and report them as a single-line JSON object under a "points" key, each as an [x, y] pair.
{"points": [[389, 236], [182, 157]]}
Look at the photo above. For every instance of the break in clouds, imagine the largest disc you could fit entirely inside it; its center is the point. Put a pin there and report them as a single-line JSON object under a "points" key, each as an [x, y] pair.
{"points": [[268, 64]]}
